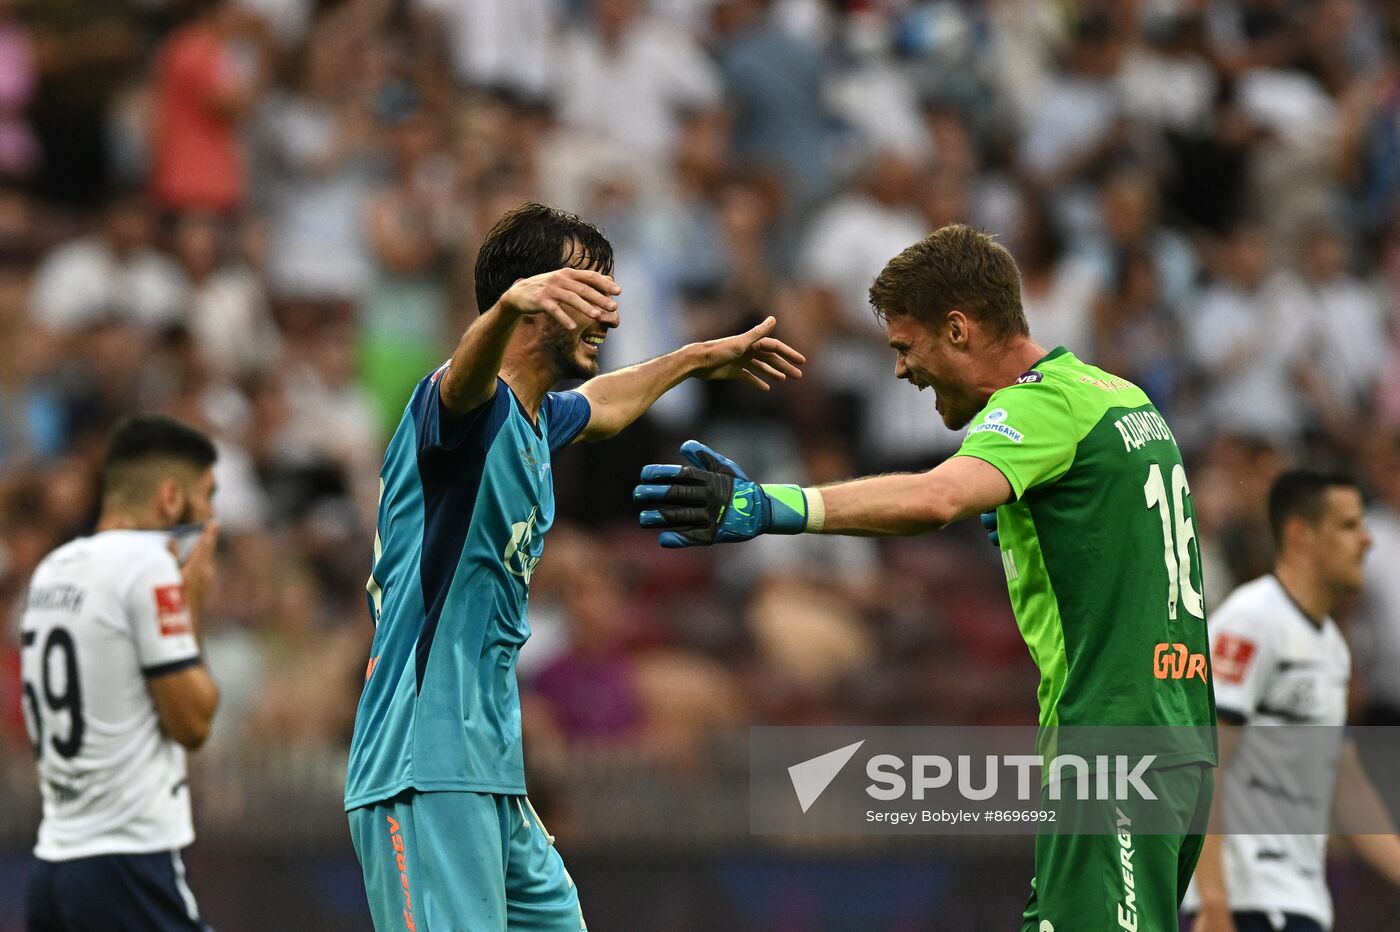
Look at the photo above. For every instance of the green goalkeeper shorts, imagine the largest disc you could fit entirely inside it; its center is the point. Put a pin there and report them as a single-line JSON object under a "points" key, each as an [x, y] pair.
{"points": [[1123, 881]]}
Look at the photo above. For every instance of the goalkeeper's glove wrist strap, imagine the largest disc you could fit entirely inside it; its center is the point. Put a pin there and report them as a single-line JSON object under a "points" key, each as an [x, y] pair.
{"points": [[791, 511], [816, 510]]}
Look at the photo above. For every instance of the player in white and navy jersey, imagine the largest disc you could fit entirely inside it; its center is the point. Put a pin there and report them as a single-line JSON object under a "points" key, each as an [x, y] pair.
{"points": [[115, 691], [1280, 660]]}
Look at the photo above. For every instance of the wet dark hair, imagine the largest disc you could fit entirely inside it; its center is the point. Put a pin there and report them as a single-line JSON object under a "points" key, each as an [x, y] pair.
{"points": [[1299, 493], [142, 441], [533, 239]]}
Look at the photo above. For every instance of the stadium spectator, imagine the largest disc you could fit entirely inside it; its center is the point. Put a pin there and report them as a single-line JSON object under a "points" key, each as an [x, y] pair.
{"points": [[628, 76], [1349, 350], [498, 45], [19, 78], [116, 271], [206, 82], [1078, 122], [773, 85], [1058, 287], [317, 138], [83, 50], [228, 314], [1254, 382], [404, 315], [1137, 334]]}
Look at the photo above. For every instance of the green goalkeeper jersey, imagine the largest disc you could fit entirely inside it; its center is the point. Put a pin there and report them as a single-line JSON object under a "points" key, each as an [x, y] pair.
{"points": [[1100, 551]]}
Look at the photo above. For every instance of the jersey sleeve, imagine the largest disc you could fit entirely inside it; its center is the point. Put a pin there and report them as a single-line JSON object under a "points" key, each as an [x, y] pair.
{"points": [[566, 415], [441, 429], [1240, 664], [1027, 432], [160, 618]]}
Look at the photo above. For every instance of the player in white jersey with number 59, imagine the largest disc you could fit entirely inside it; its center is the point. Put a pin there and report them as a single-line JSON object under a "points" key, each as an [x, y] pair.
{"points": [[115, 690], [1280, 660]]}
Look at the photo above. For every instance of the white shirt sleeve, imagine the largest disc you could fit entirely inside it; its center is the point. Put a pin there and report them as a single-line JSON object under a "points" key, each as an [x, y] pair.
{"points": [[160, 618], [1241, 655]]}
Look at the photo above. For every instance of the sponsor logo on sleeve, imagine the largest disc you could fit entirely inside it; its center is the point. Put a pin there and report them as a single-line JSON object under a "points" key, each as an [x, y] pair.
{"points": [[1026, 378], [172, 613], [1232, 656], [995, 421]]}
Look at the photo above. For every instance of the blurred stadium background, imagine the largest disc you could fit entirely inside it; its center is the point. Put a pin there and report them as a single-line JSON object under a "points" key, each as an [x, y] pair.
{"points": [[261, 216]]}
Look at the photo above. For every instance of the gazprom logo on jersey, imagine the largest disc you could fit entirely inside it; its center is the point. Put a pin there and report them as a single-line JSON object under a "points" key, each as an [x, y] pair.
{"points": [[522, 553], [995, 421]]}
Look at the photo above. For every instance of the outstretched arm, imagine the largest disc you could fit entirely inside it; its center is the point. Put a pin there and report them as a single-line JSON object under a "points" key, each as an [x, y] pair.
{"points": [[713, 501], [619, 398], [903, 505], [470, 379]]}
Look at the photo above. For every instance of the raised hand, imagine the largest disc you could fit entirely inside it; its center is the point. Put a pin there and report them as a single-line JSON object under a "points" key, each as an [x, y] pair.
{"points": [[713, 501], [198, 569], [562, 294], [754, 357]]}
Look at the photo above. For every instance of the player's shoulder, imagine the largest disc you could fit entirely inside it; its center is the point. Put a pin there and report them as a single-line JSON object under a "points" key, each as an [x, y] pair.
{"points": [[1259, 605], [1081, 380], [1042, 389], [125, 555]]}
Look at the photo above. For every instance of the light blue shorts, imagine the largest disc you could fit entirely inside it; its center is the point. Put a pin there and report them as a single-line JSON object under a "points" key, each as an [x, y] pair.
{"points": [[462, 862]]}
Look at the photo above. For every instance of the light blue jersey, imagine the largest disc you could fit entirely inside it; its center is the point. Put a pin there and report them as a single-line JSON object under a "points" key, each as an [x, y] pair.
{"points": [[465, 501]]}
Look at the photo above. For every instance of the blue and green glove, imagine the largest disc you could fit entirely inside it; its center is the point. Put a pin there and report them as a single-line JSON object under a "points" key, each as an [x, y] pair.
{"points": [[713, 501], [989, 523]]}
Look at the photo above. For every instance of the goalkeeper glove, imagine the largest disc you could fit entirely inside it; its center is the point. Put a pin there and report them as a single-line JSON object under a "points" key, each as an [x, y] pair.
{"points": [[989, 523], [714, 501]]}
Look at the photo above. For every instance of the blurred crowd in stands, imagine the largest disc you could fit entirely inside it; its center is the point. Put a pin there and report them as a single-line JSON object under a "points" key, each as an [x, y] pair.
{"points": [[261, 216]]}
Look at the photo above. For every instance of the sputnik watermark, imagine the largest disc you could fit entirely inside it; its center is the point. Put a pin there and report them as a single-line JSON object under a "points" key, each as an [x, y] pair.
{"points": [[1116, 777], [987, 780]]}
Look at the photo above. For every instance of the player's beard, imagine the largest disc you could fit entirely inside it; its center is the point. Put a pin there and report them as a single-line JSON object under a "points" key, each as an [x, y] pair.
{"points": [[562, 347], [186, 515]]}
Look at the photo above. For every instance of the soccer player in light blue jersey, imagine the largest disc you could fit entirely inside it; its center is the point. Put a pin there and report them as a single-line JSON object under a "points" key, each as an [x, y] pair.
{"points": [[435, 791]]}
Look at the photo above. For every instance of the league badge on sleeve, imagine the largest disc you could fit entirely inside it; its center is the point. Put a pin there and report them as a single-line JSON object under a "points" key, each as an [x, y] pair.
{"points": [[1231, 658], [172, 613]]}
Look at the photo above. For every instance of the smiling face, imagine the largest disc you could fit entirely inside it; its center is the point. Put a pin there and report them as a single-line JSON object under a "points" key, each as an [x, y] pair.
{"points": [[574, 353], [929, 358], [951, 306]]}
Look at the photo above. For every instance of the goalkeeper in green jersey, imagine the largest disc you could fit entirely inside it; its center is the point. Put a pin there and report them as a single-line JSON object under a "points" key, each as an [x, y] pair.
{"points": [[1096, 530]]}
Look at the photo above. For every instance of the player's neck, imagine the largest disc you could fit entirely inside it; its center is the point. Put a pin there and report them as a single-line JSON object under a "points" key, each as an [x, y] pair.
{"points": [[1020, 355], [127, 519], [529, 378], [1313, 596]]}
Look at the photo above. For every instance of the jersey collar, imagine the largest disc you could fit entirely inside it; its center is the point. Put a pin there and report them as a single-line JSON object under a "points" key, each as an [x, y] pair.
{"points": [[1055, 353], [1317, 623]]}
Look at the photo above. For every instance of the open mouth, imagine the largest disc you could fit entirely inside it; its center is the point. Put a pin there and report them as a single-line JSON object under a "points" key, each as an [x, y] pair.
{"points": [[593, 341]]}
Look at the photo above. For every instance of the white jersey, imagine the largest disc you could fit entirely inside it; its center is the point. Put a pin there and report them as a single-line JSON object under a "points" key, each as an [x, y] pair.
{"points": [[1273, 665], [103, 614]]}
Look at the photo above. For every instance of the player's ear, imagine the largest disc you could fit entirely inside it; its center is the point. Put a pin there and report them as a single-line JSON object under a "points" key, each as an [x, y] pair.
{"points": [[171, 499], [957, 328]]}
